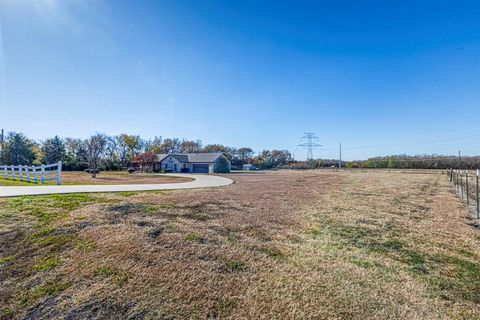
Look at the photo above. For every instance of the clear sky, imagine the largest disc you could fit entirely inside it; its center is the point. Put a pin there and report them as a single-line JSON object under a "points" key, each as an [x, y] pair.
{"points": [[382, 77]]}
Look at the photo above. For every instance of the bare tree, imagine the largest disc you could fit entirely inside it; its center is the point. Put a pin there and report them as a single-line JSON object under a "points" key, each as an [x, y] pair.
{"points": [[95, 148], [170, 146], [190, 146], [111, 153]]}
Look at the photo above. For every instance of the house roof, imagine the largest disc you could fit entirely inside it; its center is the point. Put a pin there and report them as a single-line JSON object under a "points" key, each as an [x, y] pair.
{"points": [[201, 157]]}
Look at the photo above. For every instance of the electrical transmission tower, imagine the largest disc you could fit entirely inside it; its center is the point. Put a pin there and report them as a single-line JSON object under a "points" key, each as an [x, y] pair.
{"points": [[309, 142]]}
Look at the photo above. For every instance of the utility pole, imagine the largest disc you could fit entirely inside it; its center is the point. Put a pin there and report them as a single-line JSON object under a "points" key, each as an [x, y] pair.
{"points": [[309, 142], [340, 161], [459, 160], [2, 139]]}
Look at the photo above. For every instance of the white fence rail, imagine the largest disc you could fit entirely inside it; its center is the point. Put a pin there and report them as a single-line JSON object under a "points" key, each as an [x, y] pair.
{"points": [[40, 174]]}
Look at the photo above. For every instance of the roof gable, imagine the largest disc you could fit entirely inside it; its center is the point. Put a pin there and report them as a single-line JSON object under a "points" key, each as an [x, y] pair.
{"points": [[200, 157]]}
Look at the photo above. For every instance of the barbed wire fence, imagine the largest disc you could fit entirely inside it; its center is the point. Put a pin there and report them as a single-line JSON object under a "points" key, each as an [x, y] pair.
{"points": [[466, 184]]}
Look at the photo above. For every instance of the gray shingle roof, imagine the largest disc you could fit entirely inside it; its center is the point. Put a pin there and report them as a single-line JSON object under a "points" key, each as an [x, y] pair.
{"points": [[200, 157]]}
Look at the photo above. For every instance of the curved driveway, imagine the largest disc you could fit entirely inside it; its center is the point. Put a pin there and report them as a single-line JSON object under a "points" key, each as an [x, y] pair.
{"points": [[201, 181]]}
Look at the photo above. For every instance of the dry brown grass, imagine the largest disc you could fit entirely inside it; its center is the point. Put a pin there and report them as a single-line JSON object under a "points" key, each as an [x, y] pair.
{"points": [[272, 245]]}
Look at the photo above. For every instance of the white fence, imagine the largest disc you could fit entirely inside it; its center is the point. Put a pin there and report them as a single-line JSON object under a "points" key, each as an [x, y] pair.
{"points": [[40, 174]]}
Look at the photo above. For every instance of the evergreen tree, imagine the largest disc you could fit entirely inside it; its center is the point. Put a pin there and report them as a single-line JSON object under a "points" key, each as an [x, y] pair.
{"points": [[53, 150]]}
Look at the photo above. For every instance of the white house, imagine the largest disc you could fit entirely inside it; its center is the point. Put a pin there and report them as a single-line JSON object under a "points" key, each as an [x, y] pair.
{"points": [[248, 167], [200, 162]]}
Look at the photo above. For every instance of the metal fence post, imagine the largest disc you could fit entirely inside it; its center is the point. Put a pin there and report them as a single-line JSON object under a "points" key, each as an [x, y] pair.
{"points": [[478, 199], [466, 187], [456, 181], [461, 184]]}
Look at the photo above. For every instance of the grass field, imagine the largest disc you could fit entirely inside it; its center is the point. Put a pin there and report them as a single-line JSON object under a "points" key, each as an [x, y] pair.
{"points": [[275, 245], [105, 178]]}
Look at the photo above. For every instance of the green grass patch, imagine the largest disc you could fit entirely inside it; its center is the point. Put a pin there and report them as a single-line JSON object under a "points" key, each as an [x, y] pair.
{"points": [[373, 241], [50, 236], [236, 265], [47, 263], [128, 193], [55, 241], [231, 238], [224, 306], [7, 218], [51, 208], [117, 277], [362, 263], [167, 205], [457, 277], [50, 288], [198, 215], [315, 233], [194, 237], [104, 272], [6, 259], [6, 313], [43, 232], [86, 245], [273, 253], [14, 183]]}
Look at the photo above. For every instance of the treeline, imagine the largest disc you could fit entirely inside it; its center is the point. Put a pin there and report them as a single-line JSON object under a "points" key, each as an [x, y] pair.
{"points": [[118, 152], [313, 164], [404, 161]]}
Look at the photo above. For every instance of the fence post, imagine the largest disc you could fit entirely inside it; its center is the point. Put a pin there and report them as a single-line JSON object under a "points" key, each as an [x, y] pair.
{"points": [[461, 184], [455, 179], [42, 179], [478, 200], [14, 176], [34, 171], [466, 187], [5, 172], [28, 174], [59, 173]]}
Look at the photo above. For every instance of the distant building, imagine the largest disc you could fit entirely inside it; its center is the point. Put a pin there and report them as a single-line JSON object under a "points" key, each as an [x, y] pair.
{"points": [[248, 167], [201, 162]]}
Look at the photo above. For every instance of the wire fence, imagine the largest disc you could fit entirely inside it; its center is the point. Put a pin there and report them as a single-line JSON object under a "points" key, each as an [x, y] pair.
{"points": [[466, 183]]}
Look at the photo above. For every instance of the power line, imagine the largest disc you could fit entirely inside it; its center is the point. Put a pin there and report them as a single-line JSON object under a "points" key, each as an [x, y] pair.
{"points": [[447, 142], [309, 142]]}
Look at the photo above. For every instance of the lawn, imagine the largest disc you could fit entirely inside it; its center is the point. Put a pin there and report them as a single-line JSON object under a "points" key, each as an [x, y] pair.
{"points": [[105, 178], [285, 244]]}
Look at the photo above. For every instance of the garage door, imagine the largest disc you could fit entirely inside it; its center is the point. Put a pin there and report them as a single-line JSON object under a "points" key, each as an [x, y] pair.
{"points": [[200, 168]]}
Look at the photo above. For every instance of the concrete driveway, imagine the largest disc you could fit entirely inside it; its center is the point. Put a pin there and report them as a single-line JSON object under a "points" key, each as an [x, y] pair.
{"points": [[201, 181]]}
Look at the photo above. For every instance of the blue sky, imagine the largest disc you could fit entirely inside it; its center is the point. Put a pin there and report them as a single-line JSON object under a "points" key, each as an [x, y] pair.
{"points": [[382, 77]]}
